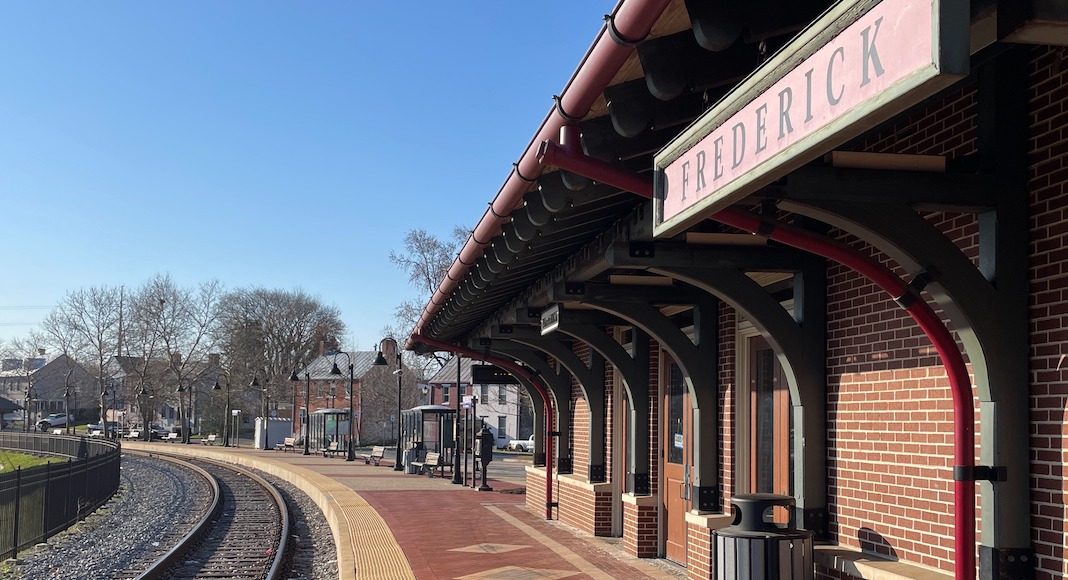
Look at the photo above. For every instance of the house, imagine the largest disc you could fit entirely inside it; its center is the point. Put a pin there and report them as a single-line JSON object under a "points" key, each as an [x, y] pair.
{"points": [[48, 383], [374, 401], [815, 249], [504, 406]]}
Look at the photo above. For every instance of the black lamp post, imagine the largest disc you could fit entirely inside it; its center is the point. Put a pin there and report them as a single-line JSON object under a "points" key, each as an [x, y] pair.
{"points": [[146, 418], [266, 409], [456, 422], [351, 454], [186, 425], [307, 407], [381, 361], [226, 413], [31, 398]]}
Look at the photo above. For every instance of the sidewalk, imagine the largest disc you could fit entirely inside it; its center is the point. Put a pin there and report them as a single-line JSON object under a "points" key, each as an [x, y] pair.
{"points": [[389, 524]]}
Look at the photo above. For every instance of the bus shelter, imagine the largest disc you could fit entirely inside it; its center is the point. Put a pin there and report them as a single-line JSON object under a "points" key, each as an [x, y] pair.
{"points": [[327, 426], [427, 428]]}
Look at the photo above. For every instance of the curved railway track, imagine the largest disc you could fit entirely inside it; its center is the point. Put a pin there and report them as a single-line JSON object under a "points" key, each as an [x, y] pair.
{"points": [[242, 535]]}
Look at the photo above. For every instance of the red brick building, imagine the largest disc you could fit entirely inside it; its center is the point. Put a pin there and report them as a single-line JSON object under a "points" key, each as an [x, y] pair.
{"points": [[798, 248]]}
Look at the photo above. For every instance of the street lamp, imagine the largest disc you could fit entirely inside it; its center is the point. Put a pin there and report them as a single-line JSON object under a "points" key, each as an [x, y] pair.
{"points": [[185, 414], [226, 414], [31, 398], [307, 407], [351, 455], [146, 418], [381, 361], [266, 409]]}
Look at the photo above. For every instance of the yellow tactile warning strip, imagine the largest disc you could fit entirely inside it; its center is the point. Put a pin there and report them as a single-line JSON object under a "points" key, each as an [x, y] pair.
{"points": [[353, 521], [517, 573]]}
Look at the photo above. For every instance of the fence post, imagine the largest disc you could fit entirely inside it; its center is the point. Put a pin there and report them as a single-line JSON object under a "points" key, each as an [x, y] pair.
{"points": [[44, 500], [18, 498]]}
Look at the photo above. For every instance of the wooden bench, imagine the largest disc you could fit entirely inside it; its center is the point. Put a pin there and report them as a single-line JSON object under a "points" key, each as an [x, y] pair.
{"points": [[432, 461], [132, 435], [333, 449], [286, 444], [210, 439], [376, 455], [171, 437]]}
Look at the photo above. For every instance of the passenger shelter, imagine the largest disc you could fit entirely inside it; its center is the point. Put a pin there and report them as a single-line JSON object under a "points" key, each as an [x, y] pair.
{"points": [[814, 249], [427, 428], [327, 426]]}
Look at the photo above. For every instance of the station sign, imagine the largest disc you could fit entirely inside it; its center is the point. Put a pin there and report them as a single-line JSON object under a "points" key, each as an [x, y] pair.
{"points": [[857, 65], [491, 375], [550, 319]]}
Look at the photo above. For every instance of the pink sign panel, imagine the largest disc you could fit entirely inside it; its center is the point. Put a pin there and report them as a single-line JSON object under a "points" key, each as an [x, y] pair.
{"points": [[868, 65]]}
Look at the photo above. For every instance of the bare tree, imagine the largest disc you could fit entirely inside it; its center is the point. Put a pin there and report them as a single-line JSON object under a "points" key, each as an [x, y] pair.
{"points": [[268, 333], [426, 259], [187, 322], [91, 318]]}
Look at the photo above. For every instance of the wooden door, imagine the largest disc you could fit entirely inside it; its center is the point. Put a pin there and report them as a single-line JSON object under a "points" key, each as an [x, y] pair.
{"points": [[676, 418], [770, 432]]}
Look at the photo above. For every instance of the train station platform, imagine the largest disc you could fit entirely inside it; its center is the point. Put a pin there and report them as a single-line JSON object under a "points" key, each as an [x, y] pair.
{"points": [[389, 524]]}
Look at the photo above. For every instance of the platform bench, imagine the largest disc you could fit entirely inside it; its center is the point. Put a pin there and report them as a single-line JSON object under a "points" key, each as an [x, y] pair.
{"points": [[209, 440], [333, 449], [376, 455], [433, 461], [286, 444], [171, 437]]}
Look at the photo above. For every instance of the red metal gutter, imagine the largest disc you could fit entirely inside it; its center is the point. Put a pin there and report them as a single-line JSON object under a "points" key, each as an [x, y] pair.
{"points": [[892, 284], [629, 23], [519, 372]]}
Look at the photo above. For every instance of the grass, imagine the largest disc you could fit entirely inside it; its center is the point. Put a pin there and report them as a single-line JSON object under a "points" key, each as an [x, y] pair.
{"points": [[10, 461]]}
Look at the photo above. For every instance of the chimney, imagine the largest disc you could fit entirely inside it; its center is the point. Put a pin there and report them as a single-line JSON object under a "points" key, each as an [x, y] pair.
{"points": [[322, 348], [213, 359], [40, 352]]}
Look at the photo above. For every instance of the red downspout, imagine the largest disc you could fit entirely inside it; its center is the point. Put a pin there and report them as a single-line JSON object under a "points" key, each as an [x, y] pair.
{"points": [[519, 372], [630, 22], [921, 312]]}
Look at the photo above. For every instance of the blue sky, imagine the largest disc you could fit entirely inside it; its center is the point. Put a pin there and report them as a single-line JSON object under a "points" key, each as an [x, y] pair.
{"points": [[276, 144]]}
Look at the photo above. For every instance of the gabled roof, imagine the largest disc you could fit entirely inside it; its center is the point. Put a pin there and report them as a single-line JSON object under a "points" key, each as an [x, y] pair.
{"points": [[319, 368]]}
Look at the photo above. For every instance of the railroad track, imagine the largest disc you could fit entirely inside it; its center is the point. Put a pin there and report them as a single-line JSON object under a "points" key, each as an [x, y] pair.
{"points": [[242, 535]]}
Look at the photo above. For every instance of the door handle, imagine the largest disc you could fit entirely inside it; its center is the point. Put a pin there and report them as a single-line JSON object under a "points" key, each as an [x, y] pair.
{"points": [[684, 491]]}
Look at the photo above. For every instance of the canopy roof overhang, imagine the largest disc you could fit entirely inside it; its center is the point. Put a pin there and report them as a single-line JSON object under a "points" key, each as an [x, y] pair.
{"points": [[654, 68]]}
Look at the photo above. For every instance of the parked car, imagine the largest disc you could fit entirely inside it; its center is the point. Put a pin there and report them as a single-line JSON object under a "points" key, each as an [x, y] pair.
{"points": [[157, 432], [113, 427], [52, 421], [521, 444]]}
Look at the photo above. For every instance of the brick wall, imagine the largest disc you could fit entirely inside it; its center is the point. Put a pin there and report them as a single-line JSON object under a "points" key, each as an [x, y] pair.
{"points": [[1048, 188], [641, 536], [584, 508], [728, 327], [699, 561], [890, 413]]}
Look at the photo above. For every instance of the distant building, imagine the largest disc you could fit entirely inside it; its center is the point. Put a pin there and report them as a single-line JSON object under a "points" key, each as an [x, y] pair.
{"points": [[505, 408], [48, 383]]}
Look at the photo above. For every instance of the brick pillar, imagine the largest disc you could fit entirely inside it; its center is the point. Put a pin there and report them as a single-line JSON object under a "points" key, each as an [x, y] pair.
{"points": [[641, 529], [700, 563]]}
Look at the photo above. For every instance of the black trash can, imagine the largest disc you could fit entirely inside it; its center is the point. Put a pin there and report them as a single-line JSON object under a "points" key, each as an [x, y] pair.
{"points": [[753, 546]]}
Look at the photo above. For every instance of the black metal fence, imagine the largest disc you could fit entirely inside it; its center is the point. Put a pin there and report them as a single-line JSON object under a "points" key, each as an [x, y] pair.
{"points": [[39, 502]]}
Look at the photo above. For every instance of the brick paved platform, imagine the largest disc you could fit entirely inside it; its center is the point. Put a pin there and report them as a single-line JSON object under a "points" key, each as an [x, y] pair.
{"points": [[388, 524]]}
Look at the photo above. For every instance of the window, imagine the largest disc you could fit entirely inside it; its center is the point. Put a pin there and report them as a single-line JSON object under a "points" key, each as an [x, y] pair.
{"points": [[502, 395], [484, 396], [445, 394], [502, 427]]}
